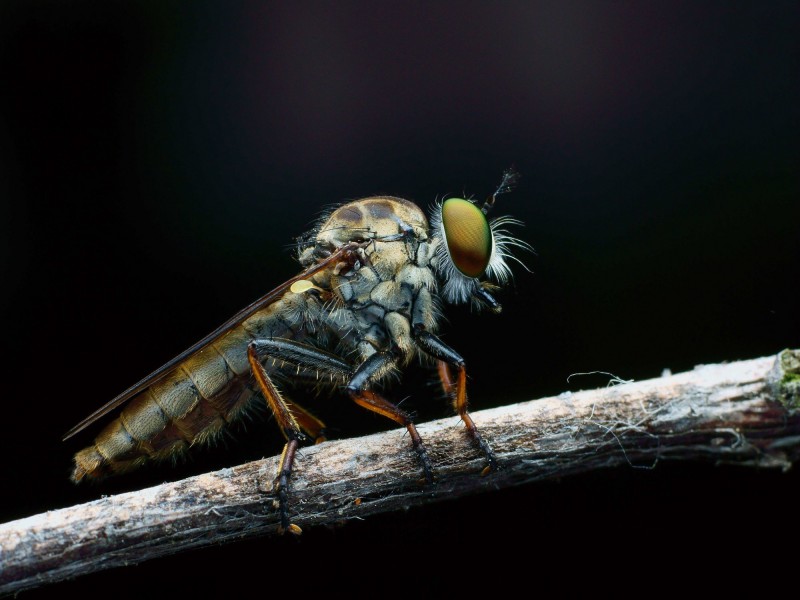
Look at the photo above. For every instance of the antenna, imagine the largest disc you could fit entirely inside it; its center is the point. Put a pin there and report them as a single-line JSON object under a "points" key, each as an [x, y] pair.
{"points": [[510, 178]]}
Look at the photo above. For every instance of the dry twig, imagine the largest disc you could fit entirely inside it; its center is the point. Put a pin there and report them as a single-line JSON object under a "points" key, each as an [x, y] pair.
{"points": [[745, 412]]}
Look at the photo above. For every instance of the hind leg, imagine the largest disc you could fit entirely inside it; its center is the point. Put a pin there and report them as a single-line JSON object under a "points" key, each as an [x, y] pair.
{"points": [[291, 418]]}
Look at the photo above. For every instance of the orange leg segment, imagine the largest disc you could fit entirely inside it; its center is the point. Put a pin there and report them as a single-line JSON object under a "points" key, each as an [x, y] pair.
{"points": [[446, 378], [311, 425], [456, 389], [291, 431], [292, 418], [376, 403], [358, 386]]}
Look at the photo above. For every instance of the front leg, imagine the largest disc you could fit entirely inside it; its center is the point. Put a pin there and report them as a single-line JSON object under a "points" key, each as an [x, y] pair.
{"points": [[457, 389]]}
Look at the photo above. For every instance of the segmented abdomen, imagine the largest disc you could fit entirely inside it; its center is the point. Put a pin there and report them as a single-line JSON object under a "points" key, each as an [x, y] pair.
{"points": [[194, 402]]}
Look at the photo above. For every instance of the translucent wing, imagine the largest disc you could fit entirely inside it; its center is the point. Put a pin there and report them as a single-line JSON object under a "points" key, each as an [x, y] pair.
{"points": [[162, 371]]}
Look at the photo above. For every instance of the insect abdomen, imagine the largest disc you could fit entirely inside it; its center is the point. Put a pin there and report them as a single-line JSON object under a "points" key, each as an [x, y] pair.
{"points": [[194, 402], [190, 405]]}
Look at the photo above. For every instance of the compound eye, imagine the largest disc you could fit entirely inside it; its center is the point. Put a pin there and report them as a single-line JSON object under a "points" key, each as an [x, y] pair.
{"points": [[468, 236]]}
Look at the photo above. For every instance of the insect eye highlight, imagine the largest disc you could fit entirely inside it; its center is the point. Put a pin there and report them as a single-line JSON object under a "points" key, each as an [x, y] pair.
{"points": [[467, 235]]}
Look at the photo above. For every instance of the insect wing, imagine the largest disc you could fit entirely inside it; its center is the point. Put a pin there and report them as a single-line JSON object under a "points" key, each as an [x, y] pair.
{"points": [[235, 320]]}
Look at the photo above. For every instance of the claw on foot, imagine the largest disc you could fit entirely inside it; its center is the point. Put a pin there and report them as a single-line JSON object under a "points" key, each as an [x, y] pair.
{"points": [[486, 450], [427, 471], [293, 529]]}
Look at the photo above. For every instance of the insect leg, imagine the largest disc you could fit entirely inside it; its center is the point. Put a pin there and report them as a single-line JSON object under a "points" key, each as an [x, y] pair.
{"points": [[290, 417], [457, 389], [356, 387], [291, 431], [311, 361], [446, 378], [310, 424]]}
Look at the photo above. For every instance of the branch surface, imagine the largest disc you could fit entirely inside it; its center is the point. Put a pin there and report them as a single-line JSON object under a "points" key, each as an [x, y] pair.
{"points": [[745, 412]]}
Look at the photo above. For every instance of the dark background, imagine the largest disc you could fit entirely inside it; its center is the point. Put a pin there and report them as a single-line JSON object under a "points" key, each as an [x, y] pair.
{"points": [[159, 158]]}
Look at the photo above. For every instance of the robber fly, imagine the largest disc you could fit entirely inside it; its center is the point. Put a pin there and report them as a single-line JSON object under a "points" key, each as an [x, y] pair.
{"points": [[368, 301]]}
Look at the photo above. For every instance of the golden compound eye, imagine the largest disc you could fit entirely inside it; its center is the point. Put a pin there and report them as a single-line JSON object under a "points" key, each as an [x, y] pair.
{"points": [[468, 236]]}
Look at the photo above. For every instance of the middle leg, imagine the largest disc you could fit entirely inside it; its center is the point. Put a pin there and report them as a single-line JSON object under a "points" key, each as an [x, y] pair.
{"points": [[357, 389]]}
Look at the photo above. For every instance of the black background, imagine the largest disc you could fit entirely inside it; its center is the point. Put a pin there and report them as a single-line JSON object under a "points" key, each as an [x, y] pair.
{"points": [[159, 158]]}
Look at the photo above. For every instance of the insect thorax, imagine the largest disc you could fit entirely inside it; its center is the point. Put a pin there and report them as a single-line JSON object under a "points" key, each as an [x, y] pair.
{"points": [[374, 305]]}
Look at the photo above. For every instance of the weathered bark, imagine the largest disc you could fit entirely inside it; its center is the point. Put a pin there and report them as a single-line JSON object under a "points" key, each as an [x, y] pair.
{"points": [[744, 412]]}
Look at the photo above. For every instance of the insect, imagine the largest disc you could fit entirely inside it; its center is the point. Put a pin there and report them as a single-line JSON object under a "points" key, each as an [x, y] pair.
{"points": [[376, 276]]}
